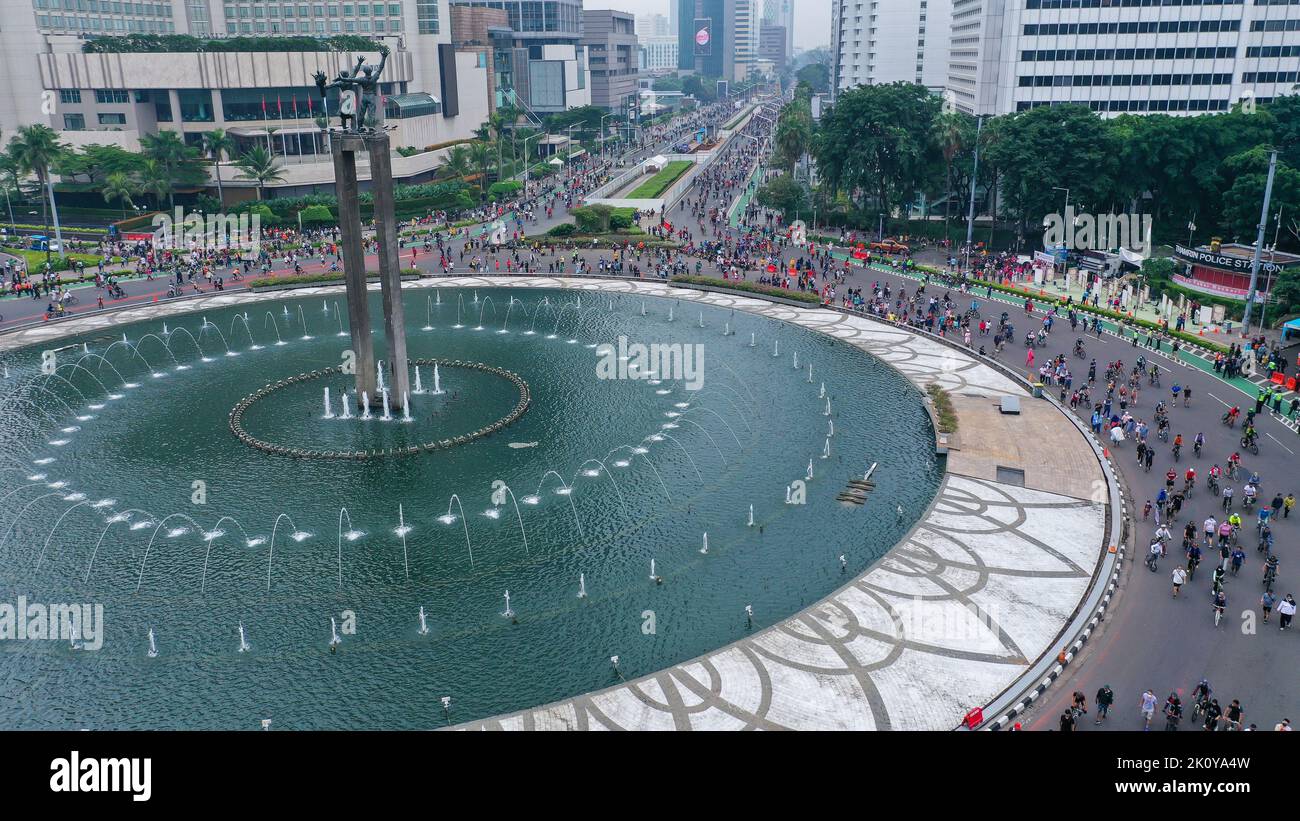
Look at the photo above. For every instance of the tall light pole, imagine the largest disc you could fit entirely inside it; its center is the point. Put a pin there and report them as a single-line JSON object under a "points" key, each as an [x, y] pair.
{"points": [[974, 175], [1259, 244], [1064, 217]]}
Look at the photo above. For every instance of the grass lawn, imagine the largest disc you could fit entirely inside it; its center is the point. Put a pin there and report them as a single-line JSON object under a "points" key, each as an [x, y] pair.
{"points": [[661, 182], [36, 259]]}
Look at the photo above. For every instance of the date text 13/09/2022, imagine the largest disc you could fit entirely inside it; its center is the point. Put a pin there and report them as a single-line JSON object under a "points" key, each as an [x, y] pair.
{"points": [[1147, 765]]}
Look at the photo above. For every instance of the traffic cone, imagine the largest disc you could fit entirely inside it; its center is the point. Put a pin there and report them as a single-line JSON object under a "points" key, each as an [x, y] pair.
{"points": [[1105, 452]]}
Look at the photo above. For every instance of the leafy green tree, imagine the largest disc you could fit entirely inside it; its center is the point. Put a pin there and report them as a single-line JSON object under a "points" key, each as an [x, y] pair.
{"points": [[1049, 147], [817, 76], [785, 194], [1248, 172], [876, 144]]}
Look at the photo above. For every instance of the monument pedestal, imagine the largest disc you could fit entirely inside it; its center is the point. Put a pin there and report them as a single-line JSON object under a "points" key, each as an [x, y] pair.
{"points": [[345, 146]]}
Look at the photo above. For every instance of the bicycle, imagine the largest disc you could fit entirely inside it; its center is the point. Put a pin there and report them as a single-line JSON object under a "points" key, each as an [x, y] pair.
{"points": [[1218, 614]]}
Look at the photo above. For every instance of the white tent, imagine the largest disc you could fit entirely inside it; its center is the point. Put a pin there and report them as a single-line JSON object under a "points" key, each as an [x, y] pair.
{"points": [[556, 161], [656, 163]]}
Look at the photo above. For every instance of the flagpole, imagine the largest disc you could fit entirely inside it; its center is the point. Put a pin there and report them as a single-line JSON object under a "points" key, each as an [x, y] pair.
{"points": [[295, 117], [267, 128]]}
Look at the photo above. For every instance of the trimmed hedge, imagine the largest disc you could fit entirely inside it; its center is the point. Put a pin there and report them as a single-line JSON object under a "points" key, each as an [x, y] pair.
{"points": [[313, 279], [750, 288], [66, 228]]}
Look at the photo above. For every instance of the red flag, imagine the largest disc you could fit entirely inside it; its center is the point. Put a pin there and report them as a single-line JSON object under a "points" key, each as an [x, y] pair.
{"points": [[309, 105], [263, 106], [295, 105], [279, 109]]}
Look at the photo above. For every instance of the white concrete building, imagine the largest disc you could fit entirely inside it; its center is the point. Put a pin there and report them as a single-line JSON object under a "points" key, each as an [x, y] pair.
{"points": [[887, 41], [660, 53], [194, 91], [1115, 56]]}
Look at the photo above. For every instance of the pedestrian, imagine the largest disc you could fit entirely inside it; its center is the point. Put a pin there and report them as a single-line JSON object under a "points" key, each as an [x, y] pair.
{"points": [[1266, 603], [1179, 576], [1067, 722], [1286, 610], [1287, 504], [1148, 708], [1105, 697]]}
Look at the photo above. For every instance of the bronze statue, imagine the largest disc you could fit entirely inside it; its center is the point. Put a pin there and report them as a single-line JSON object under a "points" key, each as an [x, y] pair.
{"points": [[358, 90]]}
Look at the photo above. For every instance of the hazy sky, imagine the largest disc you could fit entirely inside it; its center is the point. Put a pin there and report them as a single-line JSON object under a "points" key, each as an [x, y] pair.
{"points": [[812, 18]]}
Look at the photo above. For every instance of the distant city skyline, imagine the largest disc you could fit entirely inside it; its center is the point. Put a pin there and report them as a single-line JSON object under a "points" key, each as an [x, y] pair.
{"points": [[812, 27]]}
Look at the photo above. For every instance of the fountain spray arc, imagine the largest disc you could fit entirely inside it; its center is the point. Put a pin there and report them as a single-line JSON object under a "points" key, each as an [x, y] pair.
{"points": [[345, 146]]}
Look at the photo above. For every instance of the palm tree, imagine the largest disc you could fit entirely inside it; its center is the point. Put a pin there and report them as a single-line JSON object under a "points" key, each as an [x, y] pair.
{"points": [[35, 148], [167, 148], [155, 180], [459, 161], [258, 164], [117, 187], [950, 135], [218, 142], [481, 154]]}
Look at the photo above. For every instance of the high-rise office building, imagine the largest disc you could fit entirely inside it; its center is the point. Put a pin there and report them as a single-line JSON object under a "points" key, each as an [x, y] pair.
{"points": [[719, 38], [887, 41], [549, 64], [613, 58], [1115, 56], [781, 13]]}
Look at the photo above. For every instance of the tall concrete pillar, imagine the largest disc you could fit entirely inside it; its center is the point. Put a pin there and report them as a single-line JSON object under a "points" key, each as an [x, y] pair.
{"points": [[344, 148], [390, 268]]}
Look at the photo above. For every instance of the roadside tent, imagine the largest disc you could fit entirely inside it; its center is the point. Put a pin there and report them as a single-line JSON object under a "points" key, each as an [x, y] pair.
{"points": [[656, 163], [1291, 328]]}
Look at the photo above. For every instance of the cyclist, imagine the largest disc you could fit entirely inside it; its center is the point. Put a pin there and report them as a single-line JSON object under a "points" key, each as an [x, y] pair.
{"points": [[1234, 464], [1197, 444], [1193, 559], [1201, 696], [1178, 446], [1220, 604], [1230, 418], [1213, 481], [1189, 481], [1173, 712]]}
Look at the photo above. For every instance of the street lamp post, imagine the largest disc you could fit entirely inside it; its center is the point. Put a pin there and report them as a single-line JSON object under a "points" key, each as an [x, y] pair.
{"points": [[974, 175], [1259, 242]]}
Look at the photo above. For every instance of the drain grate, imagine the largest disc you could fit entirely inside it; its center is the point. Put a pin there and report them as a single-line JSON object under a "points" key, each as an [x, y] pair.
{"points": [[1011, 476]]}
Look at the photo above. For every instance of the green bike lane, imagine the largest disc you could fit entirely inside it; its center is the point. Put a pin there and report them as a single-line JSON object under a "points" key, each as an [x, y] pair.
{"points": [[1200, 359]]}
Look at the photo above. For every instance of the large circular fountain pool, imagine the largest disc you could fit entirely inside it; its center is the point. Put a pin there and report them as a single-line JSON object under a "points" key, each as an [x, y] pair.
{"points": [[225, 573]]}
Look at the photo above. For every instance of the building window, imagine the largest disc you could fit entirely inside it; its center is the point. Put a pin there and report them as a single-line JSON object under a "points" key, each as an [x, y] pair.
{"points": [[427, 16], [112, 118], [196, 105], [112, 95], [69, 95], [74, 122]]}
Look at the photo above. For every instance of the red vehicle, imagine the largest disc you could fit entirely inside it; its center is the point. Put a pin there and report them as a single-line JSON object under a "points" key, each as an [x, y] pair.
{"points": [[889, 246]]}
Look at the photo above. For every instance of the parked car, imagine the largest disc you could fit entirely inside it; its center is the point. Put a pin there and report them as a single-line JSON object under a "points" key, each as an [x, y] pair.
{"points": [[889, 246]]}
